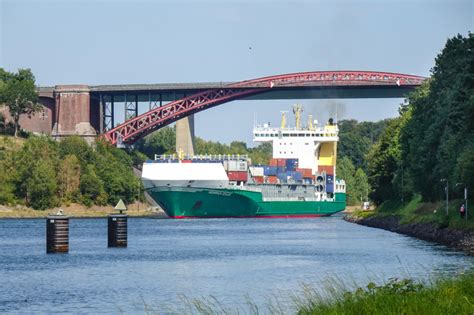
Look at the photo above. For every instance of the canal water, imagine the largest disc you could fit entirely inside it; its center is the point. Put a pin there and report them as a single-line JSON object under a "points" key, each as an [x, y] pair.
{"points": [[168, 262]]}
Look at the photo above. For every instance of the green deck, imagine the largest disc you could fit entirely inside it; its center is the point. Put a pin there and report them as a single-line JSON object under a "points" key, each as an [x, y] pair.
{"points": [[182, 202]]}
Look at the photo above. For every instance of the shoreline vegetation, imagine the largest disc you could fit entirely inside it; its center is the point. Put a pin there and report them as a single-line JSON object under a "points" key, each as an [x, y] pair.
{"points": [[137, 209], [437, 295], [397, 296], [422, 220]]}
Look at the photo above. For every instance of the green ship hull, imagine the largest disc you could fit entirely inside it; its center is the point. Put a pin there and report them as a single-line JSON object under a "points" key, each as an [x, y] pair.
{"points": [[186, 202]]}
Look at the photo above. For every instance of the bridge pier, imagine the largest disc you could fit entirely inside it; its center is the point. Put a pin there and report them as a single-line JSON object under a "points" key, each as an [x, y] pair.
{"points": [[185, 135], [73, 112]]}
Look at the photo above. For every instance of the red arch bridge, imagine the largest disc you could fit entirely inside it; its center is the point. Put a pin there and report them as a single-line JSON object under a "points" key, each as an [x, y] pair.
{"points": [[90, 110]]}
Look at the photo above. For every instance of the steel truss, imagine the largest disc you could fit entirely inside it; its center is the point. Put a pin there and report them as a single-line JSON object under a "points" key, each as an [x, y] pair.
{"points": [[159, 117]]}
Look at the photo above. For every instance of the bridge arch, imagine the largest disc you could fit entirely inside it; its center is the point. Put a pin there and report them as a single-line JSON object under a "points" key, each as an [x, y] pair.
{"points": [[137, 127]]}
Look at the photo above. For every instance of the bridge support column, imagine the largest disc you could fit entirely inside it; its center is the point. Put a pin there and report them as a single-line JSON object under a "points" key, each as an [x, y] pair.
{"points": [[185, 135], [73, 112]]}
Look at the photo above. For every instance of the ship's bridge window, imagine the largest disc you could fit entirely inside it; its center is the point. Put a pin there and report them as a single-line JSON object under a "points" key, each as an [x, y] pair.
{"points": [[301, 135], [293, 134], [306, 143], [285, 135]]}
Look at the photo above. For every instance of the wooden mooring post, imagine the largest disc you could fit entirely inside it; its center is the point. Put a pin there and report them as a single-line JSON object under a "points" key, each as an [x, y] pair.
{"points": [[57, 234]]}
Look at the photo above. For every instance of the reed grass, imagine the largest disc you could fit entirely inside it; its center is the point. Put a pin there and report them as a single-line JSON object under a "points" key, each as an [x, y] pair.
{"points": [[395, 296]]}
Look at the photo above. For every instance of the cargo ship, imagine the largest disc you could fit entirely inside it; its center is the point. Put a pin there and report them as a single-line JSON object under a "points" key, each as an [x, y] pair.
{"points": [[299, 180]]}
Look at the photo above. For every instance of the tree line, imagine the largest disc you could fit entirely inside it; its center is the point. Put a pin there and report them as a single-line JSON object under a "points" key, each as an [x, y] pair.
{"points": [[432, 140], [43, 173]]}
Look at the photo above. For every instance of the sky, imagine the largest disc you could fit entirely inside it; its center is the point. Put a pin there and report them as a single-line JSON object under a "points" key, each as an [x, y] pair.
{"points": [[127, 42]]}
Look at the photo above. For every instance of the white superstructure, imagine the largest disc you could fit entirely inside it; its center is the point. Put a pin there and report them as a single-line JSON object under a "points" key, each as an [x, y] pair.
{"points": [[312, 145]]}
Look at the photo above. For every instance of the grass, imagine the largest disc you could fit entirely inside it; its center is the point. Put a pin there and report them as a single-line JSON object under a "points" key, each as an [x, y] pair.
{"points": [[446, 296], [416, 211]]}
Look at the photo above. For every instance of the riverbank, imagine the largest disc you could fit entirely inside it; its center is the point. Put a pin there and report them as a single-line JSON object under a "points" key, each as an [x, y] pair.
{"points": [[79, 211], [426, 221]]}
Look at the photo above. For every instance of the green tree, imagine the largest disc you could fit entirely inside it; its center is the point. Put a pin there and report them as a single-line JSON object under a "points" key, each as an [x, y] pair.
{"points": [[345, 170], [162, 141], [383, 163], [7, 174], [441, 127], [356, 138], [77, 146], [18, 93], [42, 186], [34, 150], [92, 187], [361, 185], [69, 177]]}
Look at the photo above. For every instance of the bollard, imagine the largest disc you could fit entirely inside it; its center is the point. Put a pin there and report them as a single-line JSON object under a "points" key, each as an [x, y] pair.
{"points": [[117, 230], [57, 234]]}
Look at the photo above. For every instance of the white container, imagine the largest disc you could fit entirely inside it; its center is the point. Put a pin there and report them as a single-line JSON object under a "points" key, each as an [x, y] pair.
{"points": [[256, 170]]}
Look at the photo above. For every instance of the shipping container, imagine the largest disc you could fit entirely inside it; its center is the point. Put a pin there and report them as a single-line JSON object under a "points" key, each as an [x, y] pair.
{"points": [[270, 170], [237, 176], [273, 162], [186, 161], [272, 179], [281, 162], [329, 179], [326, 169], [234, 165], [291, 164], [306, 172], [256, 170], [282, 177], [281, 169], [298, 176], [307, 181], [330, 188], [258, 179]]}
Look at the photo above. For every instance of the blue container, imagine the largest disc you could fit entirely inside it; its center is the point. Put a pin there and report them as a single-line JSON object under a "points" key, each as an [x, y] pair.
{"points": [[282, 177], [330, 188], [291, 164], [281, 169], [298, 176], [270, 170], [307, 181], [329, 179]]}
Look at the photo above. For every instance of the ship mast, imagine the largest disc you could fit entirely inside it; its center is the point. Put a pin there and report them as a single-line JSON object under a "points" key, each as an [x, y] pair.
{"points": [[310, 122], [283, 119], [297, 110]]}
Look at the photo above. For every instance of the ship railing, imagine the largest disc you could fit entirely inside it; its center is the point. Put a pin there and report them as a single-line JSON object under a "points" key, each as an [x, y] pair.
{"points": [[305, 129], [201, 157]]}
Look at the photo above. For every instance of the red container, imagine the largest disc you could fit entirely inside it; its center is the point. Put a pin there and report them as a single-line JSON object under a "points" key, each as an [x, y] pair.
{"points": [[273, 162], [258, 179], [272, 179], [186, 161], [281, 162], [237, 176], [327, 169], [305, 172]]}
